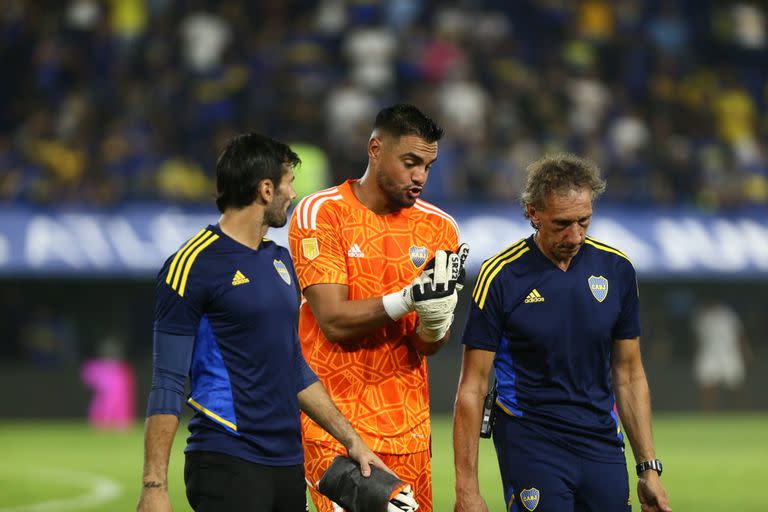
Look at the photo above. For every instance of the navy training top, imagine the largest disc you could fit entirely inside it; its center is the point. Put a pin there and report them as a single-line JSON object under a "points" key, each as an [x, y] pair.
{"points": [[553, 333], [239, 307]]}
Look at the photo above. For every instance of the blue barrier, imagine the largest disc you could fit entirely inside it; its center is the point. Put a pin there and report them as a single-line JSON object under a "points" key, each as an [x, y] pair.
{"points": [[135, 240]]}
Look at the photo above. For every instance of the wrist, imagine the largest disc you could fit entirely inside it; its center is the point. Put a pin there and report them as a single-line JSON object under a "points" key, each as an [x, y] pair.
{"points": [[648, 467], [467, 486], [397, 304], [430, 335], [149, 484]]}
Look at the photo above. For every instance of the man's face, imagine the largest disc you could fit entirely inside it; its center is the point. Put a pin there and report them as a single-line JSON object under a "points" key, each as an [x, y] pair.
{"points": [[563, 223], [402, 168], [276, 213]]}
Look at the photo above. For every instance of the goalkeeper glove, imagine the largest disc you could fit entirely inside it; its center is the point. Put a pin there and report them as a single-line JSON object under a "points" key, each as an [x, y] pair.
{"points": [[403, 501], [435, 297], [431, 284], [463, 252]]}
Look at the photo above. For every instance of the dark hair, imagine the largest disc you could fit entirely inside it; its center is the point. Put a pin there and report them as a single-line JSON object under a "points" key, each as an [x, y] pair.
{"points": [[245, 161], [559, 173], [404, 119]]}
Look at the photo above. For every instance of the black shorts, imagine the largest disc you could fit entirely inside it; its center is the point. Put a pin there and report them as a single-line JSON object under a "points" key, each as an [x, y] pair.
{"points": [[217, 482]]}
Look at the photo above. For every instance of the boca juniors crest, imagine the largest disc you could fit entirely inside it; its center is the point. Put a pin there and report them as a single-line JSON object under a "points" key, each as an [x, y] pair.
{"points": [[530, 498], [598, 285], [418, 255], [282, 271]]}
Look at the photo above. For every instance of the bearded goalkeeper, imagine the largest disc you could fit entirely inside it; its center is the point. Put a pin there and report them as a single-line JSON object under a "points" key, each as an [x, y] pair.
{"points": [[375, 307]]}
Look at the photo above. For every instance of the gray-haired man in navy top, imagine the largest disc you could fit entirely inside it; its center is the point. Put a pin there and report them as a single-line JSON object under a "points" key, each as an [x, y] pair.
{"points": [[557, 317]]}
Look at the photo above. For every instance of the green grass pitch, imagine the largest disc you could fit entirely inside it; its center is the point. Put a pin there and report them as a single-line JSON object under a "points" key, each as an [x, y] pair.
{"points": [[715, 462]]}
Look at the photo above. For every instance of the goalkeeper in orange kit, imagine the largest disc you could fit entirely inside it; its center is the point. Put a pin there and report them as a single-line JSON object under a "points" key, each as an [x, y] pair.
{"points": [[375, 308]]}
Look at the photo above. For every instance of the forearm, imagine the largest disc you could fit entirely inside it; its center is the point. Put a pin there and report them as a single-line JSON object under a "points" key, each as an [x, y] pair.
{"points": [[159, 432], [468, 411], [347, 320], [317, 404], [633, 400]]}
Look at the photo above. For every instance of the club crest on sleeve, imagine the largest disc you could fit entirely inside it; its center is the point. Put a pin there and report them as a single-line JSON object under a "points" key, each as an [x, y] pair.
{"points": [[530, 498], [418, 255], [598, 285], [309, 248], [282, 271]]}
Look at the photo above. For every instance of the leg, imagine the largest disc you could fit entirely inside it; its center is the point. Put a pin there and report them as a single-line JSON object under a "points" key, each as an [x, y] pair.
{"points": [[536, 474], [217, 482], [604, 486], [290, 489], [416, 470]]}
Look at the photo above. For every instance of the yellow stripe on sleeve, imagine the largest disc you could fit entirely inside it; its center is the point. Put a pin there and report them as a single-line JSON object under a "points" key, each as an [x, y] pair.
{"points": [[488, 266], [512, 257], [191, 260], [212, 414], [185, 257], [179, 255], [607, 248]]}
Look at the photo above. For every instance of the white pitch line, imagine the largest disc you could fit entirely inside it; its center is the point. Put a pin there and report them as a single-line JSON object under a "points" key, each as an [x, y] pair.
{"points": [[100, 490]]}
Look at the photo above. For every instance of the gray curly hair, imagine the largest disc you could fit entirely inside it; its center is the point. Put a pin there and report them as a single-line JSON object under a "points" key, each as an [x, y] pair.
{"points": [[558, 174]]}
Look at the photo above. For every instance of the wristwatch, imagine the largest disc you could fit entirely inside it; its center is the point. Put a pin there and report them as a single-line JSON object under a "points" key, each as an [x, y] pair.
{"points": [[649, 464]]}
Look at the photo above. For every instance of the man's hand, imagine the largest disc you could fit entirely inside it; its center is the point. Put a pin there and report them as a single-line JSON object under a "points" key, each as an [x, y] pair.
{"points": [[154, 498], [432, 289], [435, 294], [360, 453], [471, 502], [652, 496], [463, 252], [403, 502]]}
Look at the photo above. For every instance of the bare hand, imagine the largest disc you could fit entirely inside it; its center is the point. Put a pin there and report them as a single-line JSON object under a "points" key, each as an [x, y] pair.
{"points": [[360, 453], [154, 500], [470, 503], [652, 496]]}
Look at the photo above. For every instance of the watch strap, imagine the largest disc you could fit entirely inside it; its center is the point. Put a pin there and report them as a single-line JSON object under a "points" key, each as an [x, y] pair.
{"points": [[649, 464]]}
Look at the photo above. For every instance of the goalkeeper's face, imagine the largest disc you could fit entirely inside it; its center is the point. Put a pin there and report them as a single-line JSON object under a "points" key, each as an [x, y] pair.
{"points": [[276, 213], [563, 223], [403, 167]]}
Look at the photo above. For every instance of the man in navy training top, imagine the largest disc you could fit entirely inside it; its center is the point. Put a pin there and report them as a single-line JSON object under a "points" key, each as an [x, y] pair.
{"points": [[226, 314], [557, 317]]}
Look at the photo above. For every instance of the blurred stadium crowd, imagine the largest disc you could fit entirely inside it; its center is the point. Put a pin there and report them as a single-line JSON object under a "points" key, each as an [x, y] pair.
{"points": [[107, 101]]}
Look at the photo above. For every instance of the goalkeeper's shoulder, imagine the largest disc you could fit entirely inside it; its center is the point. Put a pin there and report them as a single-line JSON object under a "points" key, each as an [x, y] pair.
{"points": [[436, 217]]}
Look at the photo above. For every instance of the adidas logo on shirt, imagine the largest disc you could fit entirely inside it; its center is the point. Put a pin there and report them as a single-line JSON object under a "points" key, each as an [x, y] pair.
{"points": [[355, 252], [534, 296], [239, 279]]}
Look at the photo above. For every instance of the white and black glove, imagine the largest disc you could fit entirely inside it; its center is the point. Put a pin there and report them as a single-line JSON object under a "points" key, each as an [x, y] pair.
{"points": [[403, 502], [435, 296], [432, 293]]}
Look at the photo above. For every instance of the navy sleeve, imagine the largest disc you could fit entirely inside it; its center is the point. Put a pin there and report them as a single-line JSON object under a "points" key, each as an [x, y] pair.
{"points": [[305, 377], [171, 359], [628, 324], [178, 309], [485, 321]]}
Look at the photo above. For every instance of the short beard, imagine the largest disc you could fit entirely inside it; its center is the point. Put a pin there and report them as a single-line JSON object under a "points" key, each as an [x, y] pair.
{"points": [[395, 195], [275, 218]]}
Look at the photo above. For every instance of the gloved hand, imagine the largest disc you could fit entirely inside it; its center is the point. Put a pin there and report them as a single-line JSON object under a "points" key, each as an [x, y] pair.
{"points": [[440, 278], [403, 502], [435, 300], [463, 252]]}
